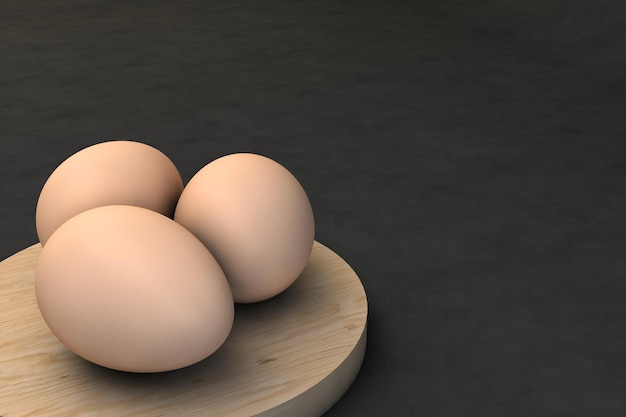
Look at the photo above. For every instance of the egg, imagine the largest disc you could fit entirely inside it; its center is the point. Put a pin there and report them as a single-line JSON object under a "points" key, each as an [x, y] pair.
{"points": [[113, 172], [255, 218], [128, 288]]}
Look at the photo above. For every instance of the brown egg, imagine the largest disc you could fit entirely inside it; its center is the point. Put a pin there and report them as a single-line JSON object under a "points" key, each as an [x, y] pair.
{"points": [[256, 219], [130, 289], [115, 172]]}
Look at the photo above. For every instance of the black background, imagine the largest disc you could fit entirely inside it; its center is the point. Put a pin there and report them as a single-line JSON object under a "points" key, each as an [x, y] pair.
{"points": [[466, 158]]}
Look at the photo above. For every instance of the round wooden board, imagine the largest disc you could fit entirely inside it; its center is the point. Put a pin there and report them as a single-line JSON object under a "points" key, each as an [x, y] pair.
{"points": [[293, 355]]}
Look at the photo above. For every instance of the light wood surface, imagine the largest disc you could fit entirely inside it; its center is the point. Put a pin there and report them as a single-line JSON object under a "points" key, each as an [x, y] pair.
{"points": [[293, 355]]}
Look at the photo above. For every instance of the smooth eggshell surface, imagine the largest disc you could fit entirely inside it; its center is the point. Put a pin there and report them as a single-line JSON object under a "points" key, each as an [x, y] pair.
{"points": [[114, 172], [255, 218], [130, 289]]}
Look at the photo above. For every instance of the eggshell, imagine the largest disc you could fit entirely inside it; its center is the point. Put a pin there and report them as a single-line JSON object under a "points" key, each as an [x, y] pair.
{"points": [[256, 219], [114, 172], [130, 289]]}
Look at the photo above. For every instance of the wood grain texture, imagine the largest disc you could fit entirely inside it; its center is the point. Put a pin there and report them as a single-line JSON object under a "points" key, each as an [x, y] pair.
{"points": [[293, 355]]}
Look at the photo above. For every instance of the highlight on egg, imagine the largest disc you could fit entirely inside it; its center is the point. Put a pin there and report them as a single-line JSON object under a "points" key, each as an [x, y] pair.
{"points": [[128, 288], [107, 173], [255, 218]]}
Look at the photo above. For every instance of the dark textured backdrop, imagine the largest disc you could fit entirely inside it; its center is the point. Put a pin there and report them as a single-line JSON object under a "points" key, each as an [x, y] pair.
{"points": [[467, 158]]}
